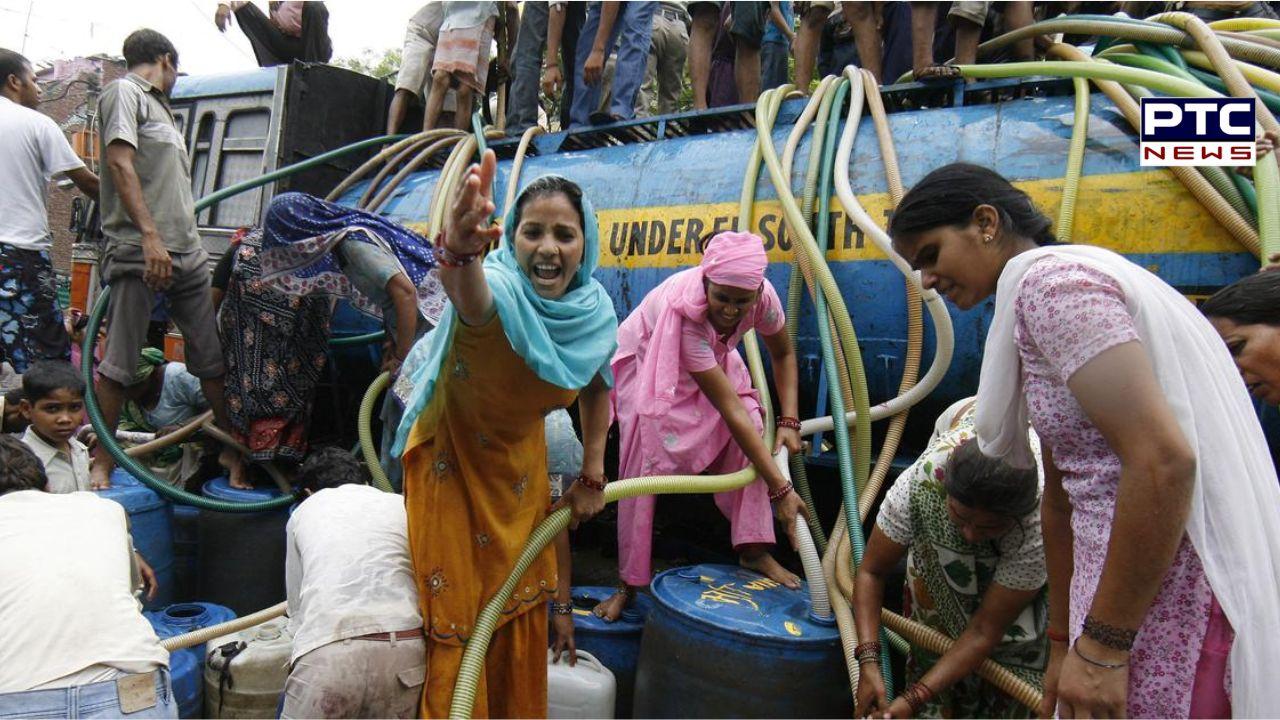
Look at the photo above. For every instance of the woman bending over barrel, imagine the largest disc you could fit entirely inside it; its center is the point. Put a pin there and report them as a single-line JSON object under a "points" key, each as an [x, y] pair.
{"points": [[970, 527], [685, 404], [529, 330], [1161, 511]]}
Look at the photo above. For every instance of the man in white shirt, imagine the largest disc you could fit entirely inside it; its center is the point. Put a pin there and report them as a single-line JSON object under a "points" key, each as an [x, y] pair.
{"points": [[353, 600], [75, 642], [32, 150]]}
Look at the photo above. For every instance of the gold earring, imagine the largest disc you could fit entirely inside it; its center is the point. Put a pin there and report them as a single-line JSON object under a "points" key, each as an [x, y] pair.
{"points": [[987, 239]]}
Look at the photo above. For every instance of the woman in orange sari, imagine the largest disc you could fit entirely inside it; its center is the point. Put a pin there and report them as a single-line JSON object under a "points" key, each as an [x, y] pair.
{"points": [[529, 330]]}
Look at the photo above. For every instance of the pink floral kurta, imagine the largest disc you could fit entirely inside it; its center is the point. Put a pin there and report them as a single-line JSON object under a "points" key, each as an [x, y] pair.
{"points": [[1067, 314]]}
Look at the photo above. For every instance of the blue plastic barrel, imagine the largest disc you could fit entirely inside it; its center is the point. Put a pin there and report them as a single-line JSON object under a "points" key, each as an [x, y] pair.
{"points": [[241, 558], [617, 644], [722, 641], [151, 525], [187, 666]]}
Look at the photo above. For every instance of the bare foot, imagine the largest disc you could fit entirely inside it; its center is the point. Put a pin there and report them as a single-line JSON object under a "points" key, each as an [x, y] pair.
{"points": [[231, 460], [762, 562], [610, 610]]}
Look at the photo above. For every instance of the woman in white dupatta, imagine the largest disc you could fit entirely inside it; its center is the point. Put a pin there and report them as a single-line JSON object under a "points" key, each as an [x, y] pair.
{"points": [[1161, 510]]}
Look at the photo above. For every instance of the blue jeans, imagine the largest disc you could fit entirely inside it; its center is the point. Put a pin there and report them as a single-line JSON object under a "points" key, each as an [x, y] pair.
{"points": [[634, 27], [97, 700], [773, 64]]}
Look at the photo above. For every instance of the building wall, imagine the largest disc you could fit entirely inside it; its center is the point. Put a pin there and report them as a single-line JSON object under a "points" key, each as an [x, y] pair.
{"points": [[69, 91]]}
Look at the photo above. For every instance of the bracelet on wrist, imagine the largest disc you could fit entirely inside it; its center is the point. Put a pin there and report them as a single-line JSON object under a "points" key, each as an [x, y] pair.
{"points": [[595, 482], [917, 696], [867, 652], [776, 495], [1097, 663], [559, 608], [447, 258], [1116, 638], [785, 421]]}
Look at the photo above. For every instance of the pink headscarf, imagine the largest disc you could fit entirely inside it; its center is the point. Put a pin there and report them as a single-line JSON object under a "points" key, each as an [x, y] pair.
{"points": [[736, 259]]}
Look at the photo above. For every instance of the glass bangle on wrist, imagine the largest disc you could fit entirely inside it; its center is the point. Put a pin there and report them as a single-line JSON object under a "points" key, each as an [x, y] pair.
{"points": [[776, 495], [447, 258], [785, 421], [596, 483]]}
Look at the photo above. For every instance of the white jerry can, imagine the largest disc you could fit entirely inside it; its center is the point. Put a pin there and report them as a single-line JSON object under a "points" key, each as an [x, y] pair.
{"points": [[583, 691], [244, 673]]}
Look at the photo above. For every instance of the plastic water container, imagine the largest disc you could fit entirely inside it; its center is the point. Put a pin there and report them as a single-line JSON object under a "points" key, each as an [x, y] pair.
{"points": [[727, 642], [617, 644], [245, 673], [151, 525], [585, 690], [186, 666], [241, 558]]}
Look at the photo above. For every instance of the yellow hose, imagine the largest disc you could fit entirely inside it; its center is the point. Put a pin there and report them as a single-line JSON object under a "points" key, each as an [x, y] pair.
{"points": [[513, 178], [1263, 78], [373, 162], [364, 426], [1226, 68], [1199, 187], [418, 161], [204, 635], [915, 305], [391, 164], [1245, 24], [1075, 162]]}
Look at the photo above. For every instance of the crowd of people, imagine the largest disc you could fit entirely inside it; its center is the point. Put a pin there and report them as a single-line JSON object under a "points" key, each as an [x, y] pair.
{"points": [[1103, 518]]}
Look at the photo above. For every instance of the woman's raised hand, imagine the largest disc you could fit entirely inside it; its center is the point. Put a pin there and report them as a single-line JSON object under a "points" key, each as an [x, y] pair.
{"points": [[467, 229]]}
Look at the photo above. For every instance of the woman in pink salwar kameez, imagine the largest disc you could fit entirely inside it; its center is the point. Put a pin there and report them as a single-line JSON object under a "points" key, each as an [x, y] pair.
{"points": [[1161, 512], [684, 402]]}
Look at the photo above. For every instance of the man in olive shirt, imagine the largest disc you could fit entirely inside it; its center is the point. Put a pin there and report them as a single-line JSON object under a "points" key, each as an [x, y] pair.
{"points": [[148, 216]]}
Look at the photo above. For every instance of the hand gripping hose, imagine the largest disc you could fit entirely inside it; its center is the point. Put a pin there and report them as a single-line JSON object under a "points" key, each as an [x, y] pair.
{"points": [[106, 438]]}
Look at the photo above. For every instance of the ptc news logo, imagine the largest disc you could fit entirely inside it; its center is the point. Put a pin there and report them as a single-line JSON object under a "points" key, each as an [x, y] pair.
{"points": [[1198, 131]]}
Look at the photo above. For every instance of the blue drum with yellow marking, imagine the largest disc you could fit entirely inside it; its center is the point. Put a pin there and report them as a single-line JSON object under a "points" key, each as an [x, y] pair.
{"points": [[617, 644], [722, 641]]}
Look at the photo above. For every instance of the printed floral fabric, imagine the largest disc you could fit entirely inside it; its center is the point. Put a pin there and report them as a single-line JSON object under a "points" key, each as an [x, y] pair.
{"points": [[275, 346], [947, 578], [1068, 313], [31, 326]]}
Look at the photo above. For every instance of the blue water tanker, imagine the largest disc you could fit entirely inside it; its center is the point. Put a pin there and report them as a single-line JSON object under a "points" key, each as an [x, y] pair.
{"points": [[722, 641], [241, 559], [186, 666], [617, 644], [185, 551], [151, 525]]}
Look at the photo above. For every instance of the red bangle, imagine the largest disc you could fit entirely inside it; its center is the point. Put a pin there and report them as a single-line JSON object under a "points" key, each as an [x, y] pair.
{"points": [[1055, 636], [787, 422], [776, 495], [593, 483], [447, 258]]}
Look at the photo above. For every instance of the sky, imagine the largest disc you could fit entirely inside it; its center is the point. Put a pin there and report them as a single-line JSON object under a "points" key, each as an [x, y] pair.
{"points": [[70, 28]]}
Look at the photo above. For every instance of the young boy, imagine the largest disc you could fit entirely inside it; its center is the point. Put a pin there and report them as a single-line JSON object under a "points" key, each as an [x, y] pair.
{"points": [[54, 405]]}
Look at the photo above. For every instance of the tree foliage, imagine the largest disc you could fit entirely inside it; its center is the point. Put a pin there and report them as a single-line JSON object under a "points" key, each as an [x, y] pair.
{"points": [[382, 64]]}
